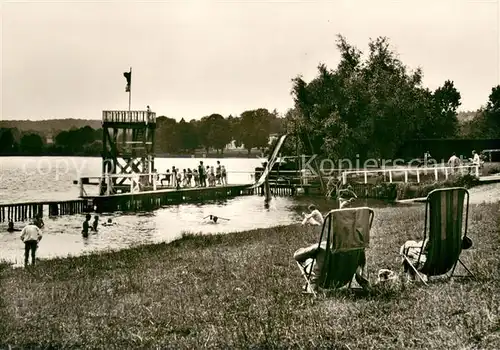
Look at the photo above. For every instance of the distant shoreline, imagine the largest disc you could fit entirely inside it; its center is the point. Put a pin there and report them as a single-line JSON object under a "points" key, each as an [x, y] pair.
{"points": [[253, 155]]}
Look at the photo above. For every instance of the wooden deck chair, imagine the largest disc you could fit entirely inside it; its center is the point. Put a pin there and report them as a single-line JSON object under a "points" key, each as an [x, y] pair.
{"points": [[344, 237], [444, 217]]}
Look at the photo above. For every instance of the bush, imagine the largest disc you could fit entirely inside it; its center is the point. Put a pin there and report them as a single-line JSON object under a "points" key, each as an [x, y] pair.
{"points": [[407, 191], [491, 168], [398, 190]]}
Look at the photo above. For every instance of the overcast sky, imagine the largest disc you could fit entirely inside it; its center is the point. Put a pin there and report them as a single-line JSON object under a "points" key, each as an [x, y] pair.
{"points": [[189, 59]]}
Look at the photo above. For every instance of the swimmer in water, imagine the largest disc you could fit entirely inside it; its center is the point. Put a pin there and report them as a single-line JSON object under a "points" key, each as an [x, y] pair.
{"points": [[11, 227], [214, 218], [95, 223], [108, 223], [39, 221]]}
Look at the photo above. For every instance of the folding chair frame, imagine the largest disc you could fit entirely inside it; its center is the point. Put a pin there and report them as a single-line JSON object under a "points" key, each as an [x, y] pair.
{"points": [[427, 211], [306, 275]]}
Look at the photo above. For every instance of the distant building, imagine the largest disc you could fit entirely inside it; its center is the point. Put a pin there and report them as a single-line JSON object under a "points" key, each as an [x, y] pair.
{"points": [[272, 138], [232, 146]]}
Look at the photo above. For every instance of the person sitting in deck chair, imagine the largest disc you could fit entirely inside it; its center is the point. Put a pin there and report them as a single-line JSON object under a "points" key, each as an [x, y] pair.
{"points": [[346, 197], [314, 218], [445, 236], [340, 254]]}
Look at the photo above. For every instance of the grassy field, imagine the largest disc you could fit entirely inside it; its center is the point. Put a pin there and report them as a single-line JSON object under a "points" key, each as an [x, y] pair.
{"points": [[243, 290]]}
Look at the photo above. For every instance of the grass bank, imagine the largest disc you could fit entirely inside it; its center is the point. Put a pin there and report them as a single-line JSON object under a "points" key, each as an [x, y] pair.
{"points": [[244, 290]]}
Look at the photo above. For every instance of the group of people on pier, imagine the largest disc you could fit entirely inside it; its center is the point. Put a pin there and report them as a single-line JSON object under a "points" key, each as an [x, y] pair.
{"points": [[202, 176]]}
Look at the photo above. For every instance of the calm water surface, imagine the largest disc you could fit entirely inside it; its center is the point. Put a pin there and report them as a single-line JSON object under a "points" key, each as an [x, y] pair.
{"points": [[20, 180], [49, 178]]}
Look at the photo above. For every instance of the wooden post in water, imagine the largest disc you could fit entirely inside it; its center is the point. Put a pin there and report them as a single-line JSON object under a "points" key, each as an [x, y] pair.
{"points": [[267, 190]]}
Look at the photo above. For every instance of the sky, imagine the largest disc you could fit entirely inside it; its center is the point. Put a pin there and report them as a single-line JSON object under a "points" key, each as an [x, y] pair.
{"points": [[189, 59]]}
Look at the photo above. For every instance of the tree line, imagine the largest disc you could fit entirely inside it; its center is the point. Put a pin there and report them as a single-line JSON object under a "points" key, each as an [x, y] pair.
{"points": [[211, 133], [369, 106]]}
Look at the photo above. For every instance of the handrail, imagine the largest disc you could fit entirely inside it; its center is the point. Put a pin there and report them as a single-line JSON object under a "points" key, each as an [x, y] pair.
{"points": [[128, 117], [408, 171]]}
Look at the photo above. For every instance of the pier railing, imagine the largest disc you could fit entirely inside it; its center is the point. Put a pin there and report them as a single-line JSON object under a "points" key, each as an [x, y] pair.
{"points": [[137, 182], [129, 117], [405, 174]]}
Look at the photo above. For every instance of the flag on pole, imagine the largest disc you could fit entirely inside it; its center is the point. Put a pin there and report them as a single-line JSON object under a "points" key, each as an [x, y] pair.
{"points": [[128, 76]]}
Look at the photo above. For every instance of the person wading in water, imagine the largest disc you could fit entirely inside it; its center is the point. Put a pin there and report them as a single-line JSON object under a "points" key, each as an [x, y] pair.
{"points": [[85, 229]]}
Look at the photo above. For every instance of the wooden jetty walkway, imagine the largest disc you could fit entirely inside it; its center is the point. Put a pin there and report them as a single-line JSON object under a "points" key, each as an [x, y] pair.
{"points": [[149, 200]]}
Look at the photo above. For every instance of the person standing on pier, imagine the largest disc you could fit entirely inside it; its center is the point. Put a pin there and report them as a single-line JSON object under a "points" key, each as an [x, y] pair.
{"points": [[211, 176], [218, 173], [196, 178], [174, 177], [202, 174], [30, 235], [454, 163], [166, 178], [223, 175], [189, 177]]}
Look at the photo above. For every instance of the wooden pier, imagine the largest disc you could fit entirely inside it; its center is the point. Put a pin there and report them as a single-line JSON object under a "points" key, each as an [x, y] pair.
{"points": [[24, 211], [149, 200]]}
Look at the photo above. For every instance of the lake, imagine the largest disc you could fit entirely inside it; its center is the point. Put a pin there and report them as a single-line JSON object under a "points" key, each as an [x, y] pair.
{"points": [[49, 178]]}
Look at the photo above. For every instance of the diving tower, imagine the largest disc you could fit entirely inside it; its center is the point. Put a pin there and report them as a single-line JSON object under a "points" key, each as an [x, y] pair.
{"points": [[128, 147]]}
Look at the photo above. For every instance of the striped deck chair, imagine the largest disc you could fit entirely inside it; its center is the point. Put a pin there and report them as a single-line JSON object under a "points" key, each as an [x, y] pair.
{"points": [[444, 217], [344, 237]]}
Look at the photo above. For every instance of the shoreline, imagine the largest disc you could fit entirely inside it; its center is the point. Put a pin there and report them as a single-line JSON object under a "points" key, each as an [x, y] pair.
{"points": [[253, 155]]}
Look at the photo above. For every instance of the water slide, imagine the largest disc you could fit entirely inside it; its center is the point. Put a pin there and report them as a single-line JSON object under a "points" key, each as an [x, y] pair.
{"points": [[270, 162]]}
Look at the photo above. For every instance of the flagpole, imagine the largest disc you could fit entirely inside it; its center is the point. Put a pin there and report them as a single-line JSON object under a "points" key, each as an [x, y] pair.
{"points": [[130, 92]]}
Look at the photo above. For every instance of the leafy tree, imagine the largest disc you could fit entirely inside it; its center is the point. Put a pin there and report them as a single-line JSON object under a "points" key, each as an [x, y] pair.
{"points": [[445, 122], [235, 130], [94, 148], [167, 137], [254, 128], [369, 107], [487, 122], [187, 135], [74, 141], [214, 132], [8, 143], [31, 144]]}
